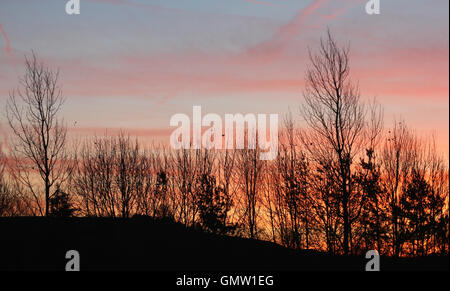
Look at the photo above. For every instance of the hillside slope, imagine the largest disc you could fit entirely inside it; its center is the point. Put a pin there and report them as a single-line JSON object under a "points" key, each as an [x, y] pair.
{"points": [[145, 244]]}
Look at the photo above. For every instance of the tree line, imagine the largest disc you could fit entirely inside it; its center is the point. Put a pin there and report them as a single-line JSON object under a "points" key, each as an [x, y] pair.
{"points": [[342, 182]]}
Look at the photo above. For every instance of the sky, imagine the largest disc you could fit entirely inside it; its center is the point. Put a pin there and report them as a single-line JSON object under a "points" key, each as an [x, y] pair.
{"points": [[132, 64]]}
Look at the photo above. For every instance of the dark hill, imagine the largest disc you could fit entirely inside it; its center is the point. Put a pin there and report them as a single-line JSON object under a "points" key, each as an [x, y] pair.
{"points": [[147, 244]]}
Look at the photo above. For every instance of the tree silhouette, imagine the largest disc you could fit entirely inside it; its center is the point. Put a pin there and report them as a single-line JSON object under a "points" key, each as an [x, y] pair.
{"points": [[39, 135], [337, 124], [161, 204], [374, 218], [60, 204], [420, 212], [213, 205]]}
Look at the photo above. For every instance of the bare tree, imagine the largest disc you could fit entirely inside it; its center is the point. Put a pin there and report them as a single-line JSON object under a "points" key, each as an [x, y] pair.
{"points": [[438, 177], [39, 143], [325, 204], [187, 166], [129, 171], [249, 178], [113, 178], [226, 164], [397, 164], [337, 123], [154, 196], [11, 202], [419, 217], [94, 178], [5, 189], [289, 203]]}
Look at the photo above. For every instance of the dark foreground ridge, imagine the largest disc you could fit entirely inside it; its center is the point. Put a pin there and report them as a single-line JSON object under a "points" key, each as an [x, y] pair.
{"points": [[146, 244]]}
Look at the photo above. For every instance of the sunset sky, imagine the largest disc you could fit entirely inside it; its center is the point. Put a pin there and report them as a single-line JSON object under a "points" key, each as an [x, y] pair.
{"points": [[132, 64]]}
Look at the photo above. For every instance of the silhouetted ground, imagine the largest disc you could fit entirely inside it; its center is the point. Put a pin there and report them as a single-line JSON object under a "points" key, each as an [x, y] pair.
{"points": [[147, 244]]}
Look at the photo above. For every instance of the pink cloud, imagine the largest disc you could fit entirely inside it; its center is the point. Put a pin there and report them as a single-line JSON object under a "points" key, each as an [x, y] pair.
{"points": [[274, 46], [401, 72], [8, 47], [404, 72]]}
